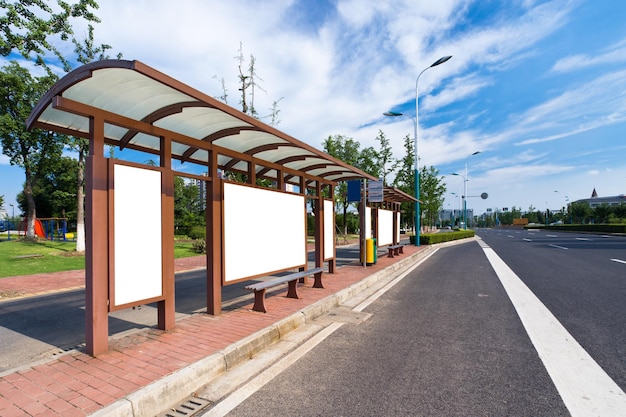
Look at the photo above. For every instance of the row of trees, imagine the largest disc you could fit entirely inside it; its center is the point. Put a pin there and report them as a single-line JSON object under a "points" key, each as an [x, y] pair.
{"points": [[575, 213], [54, 182], [382, 164]]}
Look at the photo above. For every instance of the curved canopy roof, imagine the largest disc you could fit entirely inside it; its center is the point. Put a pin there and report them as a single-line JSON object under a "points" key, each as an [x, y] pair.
{"points": [[140, 104], [395, 195]]}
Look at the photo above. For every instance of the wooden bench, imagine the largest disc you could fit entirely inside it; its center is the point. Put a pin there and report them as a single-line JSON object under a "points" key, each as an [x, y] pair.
{"points": [[292, 279], [394, 250]]}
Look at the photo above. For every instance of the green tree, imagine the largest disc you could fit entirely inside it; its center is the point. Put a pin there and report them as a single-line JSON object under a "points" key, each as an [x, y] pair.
{"points": [[86, 52], [28, 25], [55, 190], [188, 208], [580, 212], [248, 86], [531, 215], [601, 214], [32, 150], [432, 189], [405, 181], [386, 162], [348, 150]]}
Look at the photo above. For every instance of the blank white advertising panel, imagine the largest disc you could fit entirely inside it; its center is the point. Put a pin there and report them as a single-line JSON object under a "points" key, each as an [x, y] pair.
{"points": [[329, 229], [368, 222], [385, 228], [264, 231], [137, 218]]}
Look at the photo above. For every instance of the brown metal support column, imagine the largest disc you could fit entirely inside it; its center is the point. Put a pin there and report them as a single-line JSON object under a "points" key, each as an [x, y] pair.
{"points": [[166, 308], [375, 224], [280, 180], [318, 213], [395, 225], [214, 259], [97, 243], [252, 172]]}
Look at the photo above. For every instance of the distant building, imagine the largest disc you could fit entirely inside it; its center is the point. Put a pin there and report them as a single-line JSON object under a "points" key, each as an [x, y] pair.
{"points": [[454, 216], [596, 201]]}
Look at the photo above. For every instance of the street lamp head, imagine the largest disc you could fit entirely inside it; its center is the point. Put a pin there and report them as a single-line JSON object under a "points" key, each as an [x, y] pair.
{"points": [[476, 153], [455, 173], [392, 114], [441, 60]]}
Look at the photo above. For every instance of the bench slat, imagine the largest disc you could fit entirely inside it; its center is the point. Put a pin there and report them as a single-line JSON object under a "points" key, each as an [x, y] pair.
{"points": [[259, 288], [282, 279]]}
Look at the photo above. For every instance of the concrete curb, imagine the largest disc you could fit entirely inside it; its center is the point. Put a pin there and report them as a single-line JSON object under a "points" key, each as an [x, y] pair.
{"points": [[176, 387]]}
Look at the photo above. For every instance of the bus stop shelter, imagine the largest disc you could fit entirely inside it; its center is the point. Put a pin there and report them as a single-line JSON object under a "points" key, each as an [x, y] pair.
{"points": [[129, 105]]}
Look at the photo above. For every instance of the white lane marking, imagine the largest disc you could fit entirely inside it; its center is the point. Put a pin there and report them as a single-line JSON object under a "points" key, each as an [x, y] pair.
{"points": [[583, 385], [527, 240], [240, 395], [237, 397], [557, 246], [619, 260], [582, 238], [551, 235], [511, 236]]}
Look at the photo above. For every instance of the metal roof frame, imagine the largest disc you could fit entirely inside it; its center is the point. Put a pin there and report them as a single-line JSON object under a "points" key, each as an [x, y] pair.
{"points": [[140, 105]]}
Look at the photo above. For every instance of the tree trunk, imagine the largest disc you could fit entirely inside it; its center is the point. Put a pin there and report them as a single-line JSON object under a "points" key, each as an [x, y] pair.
{"points": [[345, 219], [31, 214]]}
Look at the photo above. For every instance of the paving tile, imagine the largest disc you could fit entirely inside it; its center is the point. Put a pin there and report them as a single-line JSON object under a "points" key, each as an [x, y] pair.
{"points": [[76, 384]]}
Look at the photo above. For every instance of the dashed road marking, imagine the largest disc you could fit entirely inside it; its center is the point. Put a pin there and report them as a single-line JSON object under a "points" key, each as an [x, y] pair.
{"points": [[557, 246], [584, 386]]}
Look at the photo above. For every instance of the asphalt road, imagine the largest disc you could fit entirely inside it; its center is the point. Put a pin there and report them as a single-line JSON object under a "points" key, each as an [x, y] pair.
{"points": [[449, 340], [444, 341], [581, 280]]}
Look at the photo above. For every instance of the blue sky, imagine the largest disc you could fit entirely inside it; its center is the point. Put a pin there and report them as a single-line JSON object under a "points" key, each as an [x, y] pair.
{"points": [[539, 87]]}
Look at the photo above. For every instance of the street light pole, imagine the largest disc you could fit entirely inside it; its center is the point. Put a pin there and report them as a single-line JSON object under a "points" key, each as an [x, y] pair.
{"points": [[465, 179], [462, 198], [416, 176], [465, 189]]}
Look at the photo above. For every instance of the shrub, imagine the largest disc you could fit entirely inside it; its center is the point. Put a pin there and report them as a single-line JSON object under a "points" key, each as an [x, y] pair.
{"points": [[432, 238], [199, 245], [197, 232]]}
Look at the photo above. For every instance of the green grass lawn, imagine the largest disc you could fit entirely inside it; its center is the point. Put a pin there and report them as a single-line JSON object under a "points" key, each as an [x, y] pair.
{"points": [[20, 257]]}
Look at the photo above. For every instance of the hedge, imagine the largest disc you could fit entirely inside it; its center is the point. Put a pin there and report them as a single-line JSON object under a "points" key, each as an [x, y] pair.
{"points": [[432, 238]]}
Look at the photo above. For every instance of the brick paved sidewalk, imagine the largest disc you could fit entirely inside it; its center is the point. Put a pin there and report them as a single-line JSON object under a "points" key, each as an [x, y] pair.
{"points": [[77, 384]]}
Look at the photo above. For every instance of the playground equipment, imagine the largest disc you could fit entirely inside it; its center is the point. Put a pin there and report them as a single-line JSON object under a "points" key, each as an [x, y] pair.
{"points": [[52, 228]]}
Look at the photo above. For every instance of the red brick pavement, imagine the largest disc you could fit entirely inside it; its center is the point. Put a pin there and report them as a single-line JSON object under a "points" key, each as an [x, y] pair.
{"points": [[77, 384]]}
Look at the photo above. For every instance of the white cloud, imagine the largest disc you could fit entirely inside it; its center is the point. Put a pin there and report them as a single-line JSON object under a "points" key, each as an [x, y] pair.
{"points": [[611, 55], [586, 106]]}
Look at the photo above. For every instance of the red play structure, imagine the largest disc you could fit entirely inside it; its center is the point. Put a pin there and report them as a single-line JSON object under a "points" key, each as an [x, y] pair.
{"points": [[54, 227]]}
